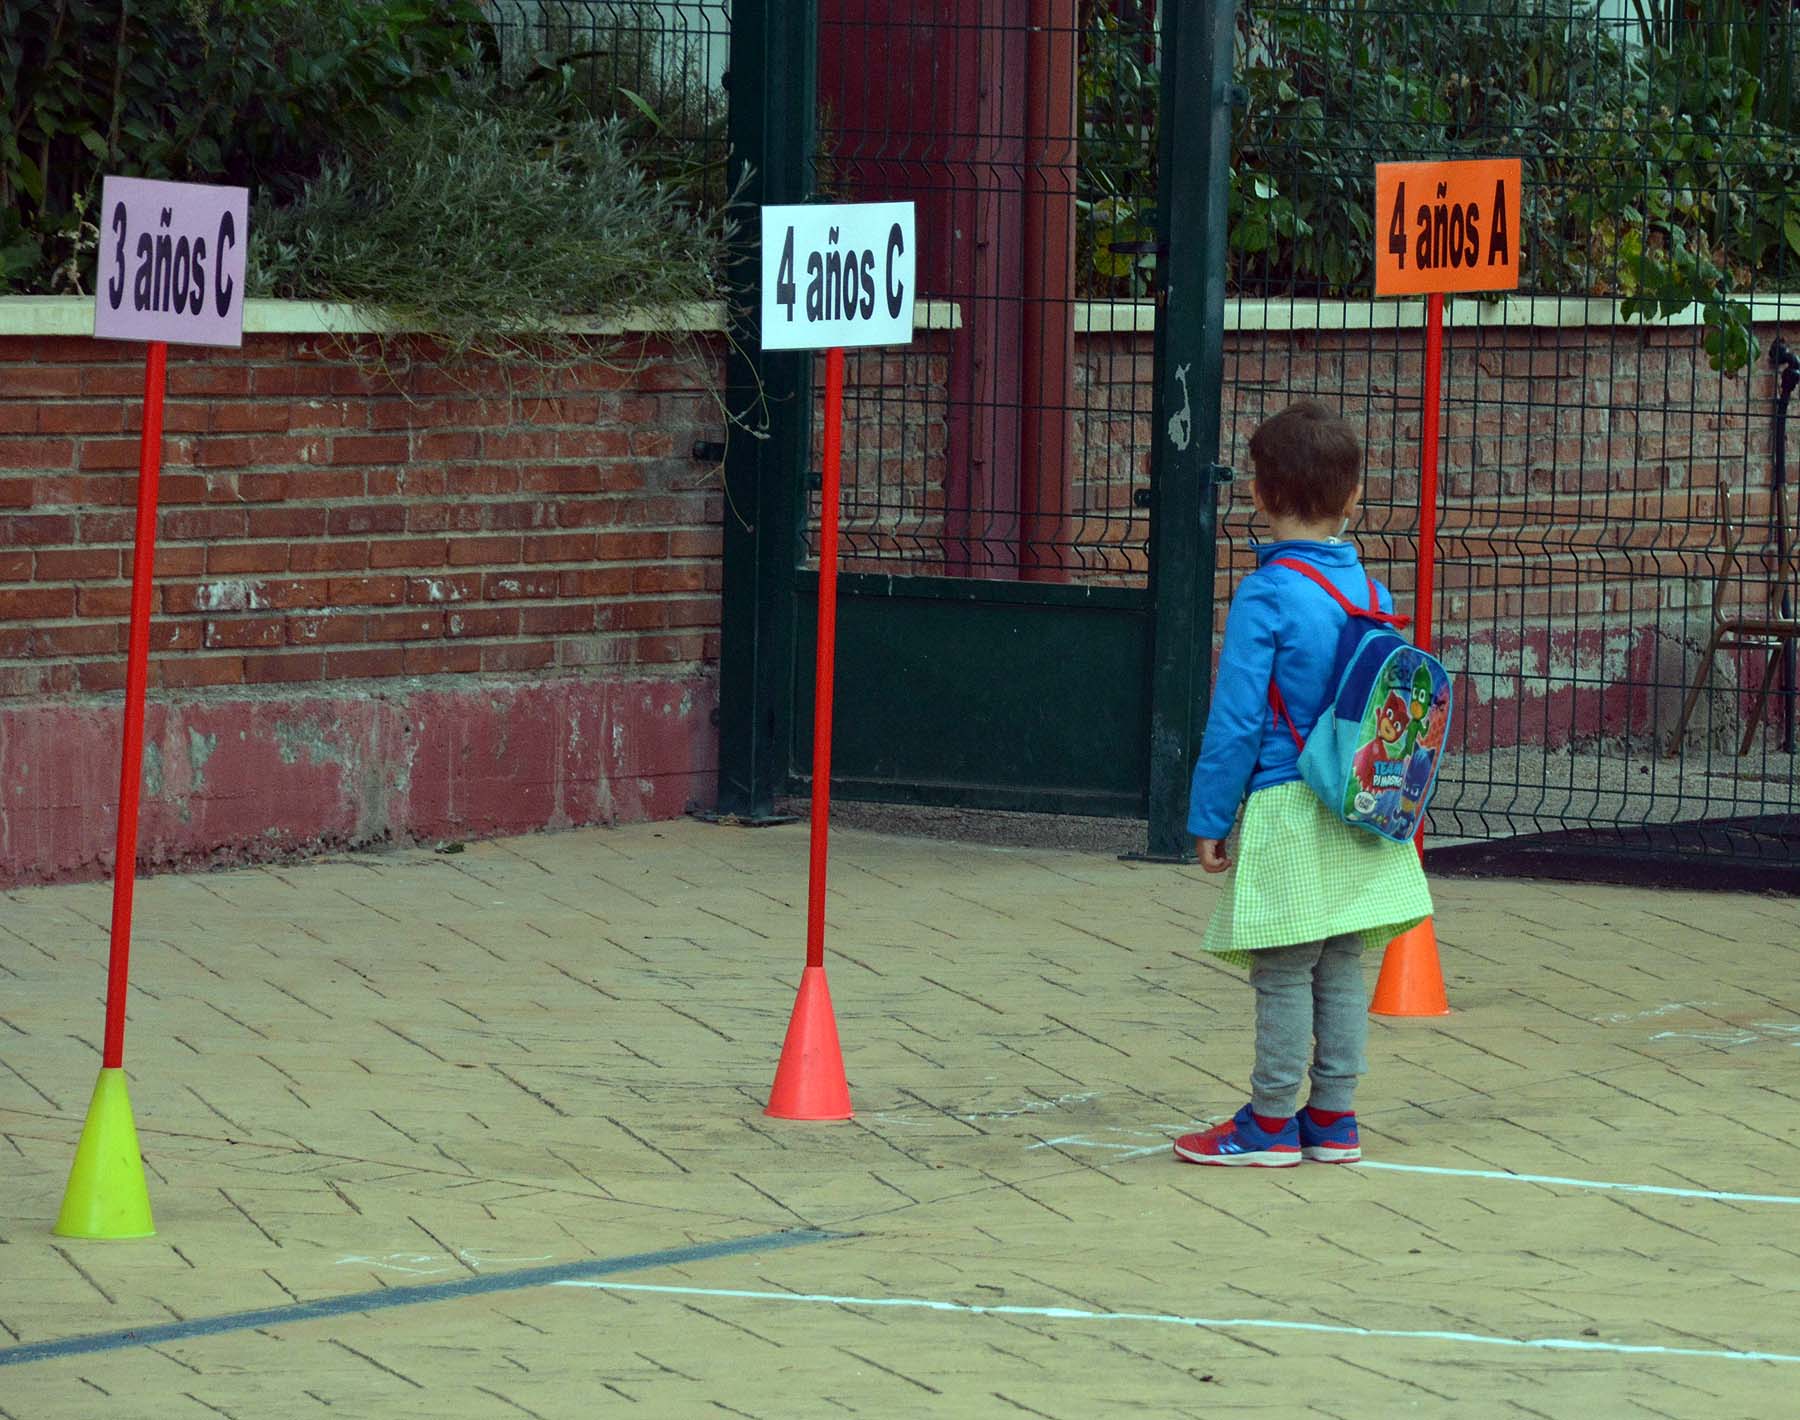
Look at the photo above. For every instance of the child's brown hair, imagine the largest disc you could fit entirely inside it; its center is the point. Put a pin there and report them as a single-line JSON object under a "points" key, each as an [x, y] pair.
{"points": [[1308, 462]]}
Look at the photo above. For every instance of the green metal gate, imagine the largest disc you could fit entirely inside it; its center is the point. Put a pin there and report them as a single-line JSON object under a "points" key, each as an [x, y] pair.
{"points": [[1026, 574]]}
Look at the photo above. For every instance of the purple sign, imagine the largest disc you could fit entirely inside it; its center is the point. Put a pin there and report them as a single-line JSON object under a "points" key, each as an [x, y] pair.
{"points": [[171, 262]]}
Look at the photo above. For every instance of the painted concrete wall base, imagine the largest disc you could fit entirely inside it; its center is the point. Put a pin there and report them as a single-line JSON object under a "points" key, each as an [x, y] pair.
{"points": [[246, 777]]}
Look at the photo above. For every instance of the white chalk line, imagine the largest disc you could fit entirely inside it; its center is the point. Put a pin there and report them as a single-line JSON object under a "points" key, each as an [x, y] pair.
{"points": [[1467, 1338], [1715, 1195], [1120, 1152]]}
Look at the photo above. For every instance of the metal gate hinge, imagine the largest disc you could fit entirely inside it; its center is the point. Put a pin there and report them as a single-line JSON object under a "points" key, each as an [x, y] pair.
{"points": [[1140, 497], [1220, 472]]}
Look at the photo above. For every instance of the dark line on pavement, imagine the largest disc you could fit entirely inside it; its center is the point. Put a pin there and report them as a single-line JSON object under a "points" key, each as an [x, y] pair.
{"points": [[385, 1297]]}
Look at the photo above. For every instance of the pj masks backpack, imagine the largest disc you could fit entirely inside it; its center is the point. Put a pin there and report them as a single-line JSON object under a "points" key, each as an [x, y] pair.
{"points": [[1373, 757]]}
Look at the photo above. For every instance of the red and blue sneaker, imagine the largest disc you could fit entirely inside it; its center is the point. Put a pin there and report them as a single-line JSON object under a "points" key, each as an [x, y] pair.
{"points": [[1333, 1141], [1240, 1142]]}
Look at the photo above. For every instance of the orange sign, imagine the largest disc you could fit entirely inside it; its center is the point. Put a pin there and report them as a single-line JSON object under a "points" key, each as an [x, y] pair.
{"points": [[1446, 227]]}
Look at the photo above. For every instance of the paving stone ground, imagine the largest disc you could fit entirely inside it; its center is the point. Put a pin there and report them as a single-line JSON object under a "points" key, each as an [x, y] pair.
{"points": [[421, 1069]]}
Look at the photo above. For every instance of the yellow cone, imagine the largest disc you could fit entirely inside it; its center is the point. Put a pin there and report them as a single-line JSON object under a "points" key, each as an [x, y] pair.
{"points": [[106, 1197]]}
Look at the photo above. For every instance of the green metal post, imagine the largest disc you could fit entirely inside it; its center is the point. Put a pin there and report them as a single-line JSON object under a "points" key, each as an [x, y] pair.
{"points": [[1198, 40], [773, 81]]}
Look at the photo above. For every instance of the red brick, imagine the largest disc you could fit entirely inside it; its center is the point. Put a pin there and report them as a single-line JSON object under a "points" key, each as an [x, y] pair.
{"points": [[60, 418], [328, 415], [284, 668], [516, 656], [251, 450], [197, 670], [633, 546], [19, 418], [41, 453], [669, 577], [455, 659], [23, 681], [168, 636], [482, 621], [238, 632], [367, 591], [188, 377], [263, 416], [285, 522], [595, 582], [457, 444], [407, 552], [116, 381], [263, 487], [326, 484], [563, 619], [289, 592], [446, 589], [369, 518], [406, 625], [17, 492], [328, 556], [668, 650], [363, 664], [202, 524], [82, 564], [510, 586], [247, 557], [415, 480], [560, 547], [173, 490], [519, 444], [463, 516], [178, 561], [99, 676], [708, 542], [101, 601], [593, 444], [16, 566], [82, 639], [38, 603], [36, 529], [560, 478], [53, 381], [326, 630], [368, 448], [474, 551]]}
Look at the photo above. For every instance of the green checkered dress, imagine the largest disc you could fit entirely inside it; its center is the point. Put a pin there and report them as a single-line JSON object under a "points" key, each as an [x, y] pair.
{"points": [[1301, 874]]}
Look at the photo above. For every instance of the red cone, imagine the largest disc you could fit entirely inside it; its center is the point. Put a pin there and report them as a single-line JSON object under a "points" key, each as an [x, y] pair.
{"points": [[809, 1082], [1411, 981]]}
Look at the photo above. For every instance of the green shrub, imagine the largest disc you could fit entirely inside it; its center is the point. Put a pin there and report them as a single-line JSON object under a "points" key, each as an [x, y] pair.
{"points": [[486, 220], [237, 91], [1658, 167]]}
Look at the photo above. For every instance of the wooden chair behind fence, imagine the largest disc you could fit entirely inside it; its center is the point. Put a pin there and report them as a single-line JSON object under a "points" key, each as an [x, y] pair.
{"points": [[1749, 594]]}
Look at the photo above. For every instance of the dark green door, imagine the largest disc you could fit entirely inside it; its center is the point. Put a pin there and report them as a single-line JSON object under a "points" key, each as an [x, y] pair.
{"points": [[1026, 579]]}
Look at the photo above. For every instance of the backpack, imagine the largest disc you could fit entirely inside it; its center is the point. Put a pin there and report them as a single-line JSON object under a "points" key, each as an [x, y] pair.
{"points": [[1373, 757]]}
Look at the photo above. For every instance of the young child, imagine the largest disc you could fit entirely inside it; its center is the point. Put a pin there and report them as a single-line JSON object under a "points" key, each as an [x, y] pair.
{"points": [[1309, 891]]}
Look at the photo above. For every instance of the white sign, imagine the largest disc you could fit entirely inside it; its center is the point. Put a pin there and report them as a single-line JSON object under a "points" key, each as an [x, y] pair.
{"points": [[171, 262], [837, 276]]}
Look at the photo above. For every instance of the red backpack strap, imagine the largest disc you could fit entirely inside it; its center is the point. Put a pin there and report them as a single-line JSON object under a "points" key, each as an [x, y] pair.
{"points": [[1372, 613], [1278, 707]]}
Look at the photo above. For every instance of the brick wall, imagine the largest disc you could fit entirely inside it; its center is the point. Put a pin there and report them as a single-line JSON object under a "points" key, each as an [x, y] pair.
{"points": [[520, 573], [431, 604]]}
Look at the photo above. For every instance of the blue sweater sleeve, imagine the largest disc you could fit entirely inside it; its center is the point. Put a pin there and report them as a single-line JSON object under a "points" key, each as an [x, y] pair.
{"points": [[1240, 709]]}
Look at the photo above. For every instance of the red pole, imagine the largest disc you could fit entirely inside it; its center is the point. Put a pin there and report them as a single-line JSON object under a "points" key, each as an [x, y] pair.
{"points": [[1428, 467], [827, 656], [1428, 485], [137, 676]]}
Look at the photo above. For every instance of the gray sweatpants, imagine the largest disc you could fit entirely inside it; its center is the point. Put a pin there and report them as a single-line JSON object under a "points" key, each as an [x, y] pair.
{"points": [[1306, 992]]}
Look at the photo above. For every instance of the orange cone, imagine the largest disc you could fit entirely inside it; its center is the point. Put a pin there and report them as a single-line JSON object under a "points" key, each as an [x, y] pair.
{"points": [[1411, 981], [809, 1082]]}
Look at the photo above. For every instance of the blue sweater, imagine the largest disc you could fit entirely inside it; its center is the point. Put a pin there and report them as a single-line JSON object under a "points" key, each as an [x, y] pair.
{"points": [[1280, 626]]}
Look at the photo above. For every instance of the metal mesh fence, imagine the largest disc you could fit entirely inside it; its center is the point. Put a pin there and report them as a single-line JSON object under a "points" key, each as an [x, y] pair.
{"points": [[1011, 441], [658, 65], [1599, 425]]}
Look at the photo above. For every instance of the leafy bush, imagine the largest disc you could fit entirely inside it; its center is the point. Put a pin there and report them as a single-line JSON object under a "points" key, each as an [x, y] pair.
{"points": [[1657, 165], [238, 91], [486, 219]]}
